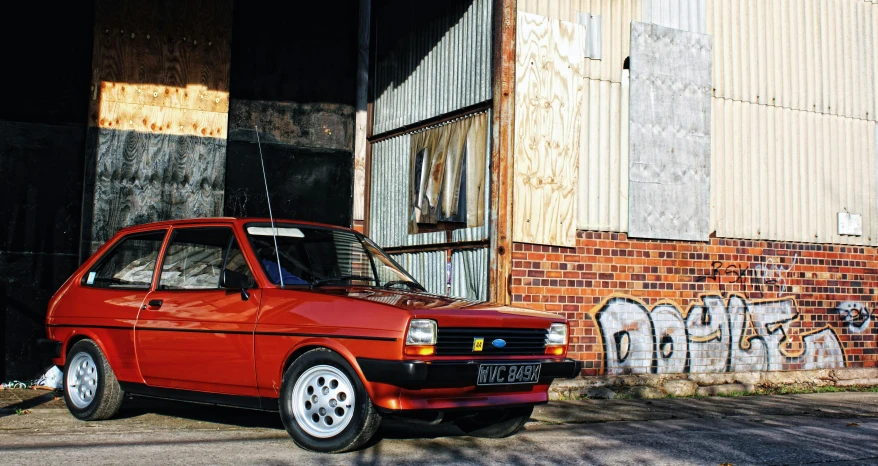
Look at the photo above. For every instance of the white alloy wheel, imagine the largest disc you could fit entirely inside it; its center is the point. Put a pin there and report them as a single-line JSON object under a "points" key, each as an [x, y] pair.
{"points": [[82, 380], [323, 401]]}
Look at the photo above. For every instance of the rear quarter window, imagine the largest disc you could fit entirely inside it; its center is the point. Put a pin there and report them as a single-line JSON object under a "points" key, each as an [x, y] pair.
{"points": [[129, 264]]}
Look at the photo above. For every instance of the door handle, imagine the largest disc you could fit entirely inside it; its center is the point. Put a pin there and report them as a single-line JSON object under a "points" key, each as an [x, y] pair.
{"points": [[155, 303]]}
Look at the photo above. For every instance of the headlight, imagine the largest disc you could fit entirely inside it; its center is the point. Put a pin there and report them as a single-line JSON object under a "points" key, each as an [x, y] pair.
{"points": [[421, 332], [557, 335]]}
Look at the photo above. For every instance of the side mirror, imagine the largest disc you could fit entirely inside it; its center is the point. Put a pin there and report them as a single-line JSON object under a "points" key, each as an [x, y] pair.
{"points": [[235, 281]]}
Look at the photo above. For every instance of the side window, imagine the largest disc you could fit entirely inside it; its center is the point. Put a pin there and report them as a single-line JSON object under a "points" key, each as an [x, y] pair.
{"points": [[236, 263], [129, 264], [196, 258]]}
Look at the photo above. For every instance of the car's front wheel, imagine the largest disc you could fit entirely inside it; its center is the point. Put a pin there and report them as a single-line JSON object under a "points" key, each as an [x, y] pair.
{"points": [[324, 405], [91, 390], [496, 423]]}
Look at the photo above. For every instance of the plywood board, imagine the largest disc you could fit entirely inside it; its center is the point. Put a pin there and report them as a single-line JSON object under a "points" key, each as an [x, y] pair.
{"points": [[548, 92], [669, 160]]}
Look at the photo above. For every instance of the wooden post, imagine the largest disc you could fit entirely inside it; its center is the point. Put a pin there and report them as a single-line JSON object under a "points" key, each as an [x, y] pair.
{"points": [[361, 130], [502, 148]]}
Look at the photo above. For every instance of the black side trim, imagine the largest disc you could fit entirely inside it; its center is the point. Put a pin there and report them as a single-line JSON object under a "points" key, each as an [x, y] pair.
{"points": [[229, 332], [217, 399], [50, 348], [452, 374]]}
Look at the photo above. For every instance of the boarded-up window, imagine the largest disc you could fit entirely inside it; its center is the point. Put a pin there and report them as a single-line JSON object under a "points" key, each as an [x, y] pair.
{"points": [[447, 186]]}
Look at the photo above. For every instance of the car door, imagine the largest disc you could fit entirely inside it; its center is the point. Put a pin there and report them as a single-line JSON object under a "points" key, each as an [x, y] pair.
{"points": [[192, 333]]}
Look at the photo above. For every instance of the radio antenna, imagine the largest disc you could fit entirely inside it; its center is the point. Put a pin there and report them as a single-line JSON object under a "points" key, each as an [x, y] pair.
{"points": [[270, 215]]}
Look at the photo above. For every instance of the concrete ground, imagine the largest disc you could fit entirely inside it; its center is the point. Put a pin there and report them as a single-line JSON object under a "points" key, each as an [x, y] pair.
{"points": [[828, 428]]}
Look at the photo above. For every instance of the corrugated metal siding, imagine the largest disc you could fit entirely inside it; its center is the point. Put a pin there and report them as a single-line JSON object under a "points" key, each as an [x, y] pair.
{"points": [[785, 174], [794, 118], [603, 157], [616, 17], [688, 15], [389, 202], [469, 274], [811, 55], [453, 72], [428, 268]]}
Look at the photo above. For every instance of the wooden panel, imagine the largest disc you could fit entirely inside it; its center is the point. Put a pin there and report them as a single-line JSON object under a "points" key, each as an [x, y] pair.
{"points": [[158, 113], [548, 90]]}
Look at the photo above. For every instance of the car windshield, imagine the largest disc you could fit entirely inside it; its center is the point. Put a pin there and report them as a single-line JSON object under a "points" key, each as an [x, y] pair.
{"points": [[315, 256]]}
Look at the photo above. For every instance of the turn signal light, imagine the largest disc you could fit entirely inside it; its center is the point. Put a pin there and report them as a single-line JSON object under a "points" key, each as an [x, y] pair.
{"points": [[555, 350], [420, 350]]}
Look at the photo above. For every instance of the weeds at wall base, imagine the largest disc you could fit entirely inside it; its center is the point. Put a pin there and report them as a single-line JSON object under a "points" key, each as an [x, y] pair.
{"points": [[624, 394]]}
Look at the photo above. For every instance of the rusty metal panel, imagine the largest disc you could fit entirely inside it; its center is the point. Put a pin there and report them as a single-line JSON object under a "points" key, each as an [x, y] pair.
{"points": [[669, 165], [469, 274], [428, 268], [809, 55], [614, 18], [687, 15], [443, 64]]}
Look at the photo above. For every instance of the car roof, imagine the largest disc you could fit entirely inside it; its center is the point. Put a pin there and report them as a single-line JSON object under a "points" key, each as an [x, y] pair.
{"points": [[240, 221]]}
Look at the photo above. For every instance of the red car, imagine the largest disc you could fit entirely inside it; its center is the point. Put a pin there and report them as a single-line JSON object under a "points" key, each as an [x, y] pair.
{"points": [[310, 320]]}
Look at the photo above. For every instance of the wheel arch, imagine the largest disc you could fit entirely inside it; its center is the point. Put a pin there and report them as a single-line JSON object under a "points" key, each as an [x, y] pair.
{"points": [[332, 345]]}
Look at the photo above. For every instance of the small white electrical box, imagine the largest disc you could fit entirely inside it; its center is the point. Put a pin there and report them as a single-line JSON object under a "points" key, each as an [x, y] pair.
{"points": [[850, 224]]}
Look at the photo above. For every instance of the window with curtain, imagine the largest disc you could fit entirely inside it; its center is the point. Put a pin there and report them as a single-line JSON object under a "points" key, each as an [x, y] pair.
{"points": [[448, 175]]}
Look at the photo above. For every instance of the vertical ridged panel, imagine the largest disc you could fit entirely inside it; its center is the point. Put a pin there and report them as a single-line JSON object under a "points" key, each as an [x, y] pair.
{"points": [[603, 157], [443, 65], [469, 274], [615, 17], [428, 268], [687, 15], [810, 55], [390, 196], [784, 174]]}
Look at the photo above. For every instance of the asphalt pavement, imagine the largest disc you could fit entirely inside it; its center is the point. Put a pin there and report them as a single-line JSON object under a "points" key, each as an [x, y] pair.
{"points": [[828, 428]]}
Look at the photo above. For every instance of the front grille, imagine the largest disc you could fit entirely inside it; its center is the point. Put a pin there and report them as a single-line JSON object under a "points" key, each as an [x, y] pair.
{"points": [[519, 341]]}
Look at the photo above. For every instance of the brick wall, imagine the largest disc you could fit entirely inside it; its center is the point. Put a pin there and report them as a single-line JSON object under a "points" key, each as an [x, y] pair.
{"points": [[643, 306]]}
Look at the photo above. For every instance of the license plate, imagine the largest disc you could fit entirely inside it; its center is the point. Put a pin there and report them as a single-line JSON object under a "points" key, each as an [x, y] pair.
{"points": [[508, 374]]}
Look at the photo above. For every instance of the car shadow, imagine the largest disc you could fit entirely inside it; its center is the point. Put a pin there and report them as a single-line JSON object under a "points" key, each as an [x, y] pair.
{"points": [[391, 428]]}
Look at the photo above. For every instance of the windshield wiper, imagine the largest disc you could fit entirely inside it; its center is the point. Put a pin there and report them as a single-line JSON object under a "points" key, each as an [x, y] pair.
{"points": [[409, 283], [341, 279]]}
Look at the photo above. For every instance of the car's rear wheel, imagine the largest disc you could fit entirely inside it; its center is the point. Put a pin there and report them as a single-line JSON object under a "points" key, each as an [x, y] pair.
{"points": [[324, 405], [496, 423], [91, 390]]}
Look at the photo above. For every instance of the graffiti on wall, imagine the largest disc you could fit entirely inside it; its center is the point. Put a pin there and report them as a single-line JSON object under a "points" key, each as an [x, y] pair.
{"points": [[718, 334], [856, 315], [757, 279]]}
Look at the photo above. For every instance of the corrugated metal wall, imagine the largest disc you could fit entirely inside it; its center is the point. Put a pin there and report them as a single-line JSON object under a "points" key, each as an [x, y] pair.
{"points": [[786, 174], [794, 118], [428, 268], [468, 270], [687, 15], [811, 55], [444, 66], [818, 57]]}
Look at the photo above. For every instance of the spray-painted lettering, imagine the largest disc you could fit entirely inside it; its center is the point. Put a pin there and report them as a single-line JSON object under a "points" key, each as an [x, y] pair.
{"points": [[716, 335]]}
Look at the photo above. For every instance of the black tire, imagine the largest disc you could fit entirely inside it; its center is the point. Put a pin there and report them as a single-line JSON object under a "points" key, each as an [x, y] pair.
{"points": [[107, 395], [495, 423], [364, 420]]}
